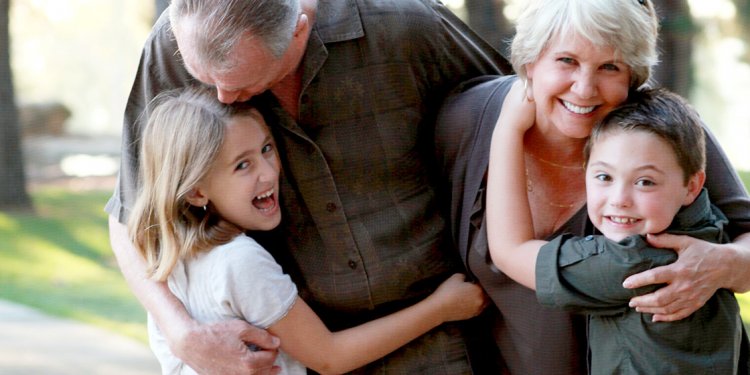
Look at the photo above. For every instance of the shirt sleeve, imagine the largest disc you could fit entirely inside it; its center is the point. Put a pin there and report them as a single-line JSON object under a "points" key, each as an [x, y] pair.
{"points": [[256, 289], [159, 69], [585, 275], [725, 188]]}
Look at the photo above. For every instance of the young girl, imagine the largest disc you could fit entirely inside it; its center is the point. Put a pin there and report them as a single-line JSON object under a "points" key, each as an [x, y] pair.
{"points": [[210, 172]]}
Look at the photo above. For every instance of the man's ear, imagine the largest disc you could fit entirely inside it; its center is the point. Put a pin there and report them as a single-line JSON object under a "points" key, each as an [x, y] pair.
{"points": [[303, 22], [196, 197], [694, 186]]}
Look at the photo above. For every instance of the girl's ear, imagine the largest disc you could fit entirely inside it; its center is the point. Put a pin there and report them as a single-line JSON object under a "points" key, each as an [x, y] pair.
{"points": [[694, 186], [196, 197]]}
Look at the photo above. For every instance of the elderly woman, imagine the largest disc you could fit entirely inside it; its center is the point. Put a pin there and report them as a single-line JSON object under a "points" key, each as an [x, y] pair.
{"points": [[577, 59]]}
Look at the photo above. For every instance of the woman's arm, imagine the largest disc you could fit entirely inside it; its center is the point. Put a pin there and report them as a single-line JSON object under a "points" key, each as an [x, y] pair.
{"points": [[510, 230], [305, 337], [215, 348]]}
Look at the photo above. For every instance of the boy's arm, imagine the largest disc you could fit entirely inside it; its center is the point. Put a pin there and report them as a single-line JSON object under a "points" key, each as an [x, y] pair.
{"points": [[305, 337], [510, 230]]}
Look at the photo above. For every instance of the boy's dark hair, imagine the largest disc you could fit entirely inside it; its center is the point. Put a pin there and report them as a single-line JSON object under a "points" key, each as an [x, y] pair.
{"points": [[662, 113]]}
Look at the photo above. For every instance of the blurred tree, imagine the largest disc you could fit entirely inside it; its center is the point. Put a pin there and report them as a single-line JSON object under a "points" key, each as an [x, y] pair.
{"points": [[487, 19], [13, 193], [675, 69]]}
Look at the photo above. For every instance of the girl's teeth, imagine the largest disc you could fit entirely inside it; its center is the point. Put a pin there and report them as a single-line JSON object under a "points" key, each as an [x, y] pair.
{"points": [[265, 195]]}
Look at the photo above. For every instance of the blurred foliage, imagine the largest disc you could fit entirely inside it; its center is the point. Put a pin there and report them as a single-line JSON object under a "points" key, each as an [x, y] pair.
{"points": [[59, 261]]}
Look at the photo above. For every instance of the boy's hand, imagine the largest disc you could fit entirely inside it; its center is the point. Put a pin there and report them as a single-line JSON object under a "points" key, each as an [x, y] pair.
{"points": [[460, 299]]}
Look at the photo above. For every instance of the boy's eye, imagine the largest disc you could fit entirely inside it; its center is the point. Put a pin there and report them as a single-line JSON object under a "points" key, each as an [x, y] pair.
{"points": [[645, 182]]}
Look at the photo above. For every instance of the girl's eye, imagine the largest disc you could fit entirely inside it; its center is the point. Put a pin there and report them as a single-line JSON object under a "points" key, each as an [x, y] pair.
{"points": [[267, 148], [242, 165], [603, 177]]}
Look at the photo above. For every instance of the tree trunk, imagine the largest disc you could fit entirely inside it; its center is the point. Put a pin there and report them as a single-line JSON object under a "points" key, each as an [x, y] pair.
{"points": [[486, 18], [13, 193], [675, 70]]}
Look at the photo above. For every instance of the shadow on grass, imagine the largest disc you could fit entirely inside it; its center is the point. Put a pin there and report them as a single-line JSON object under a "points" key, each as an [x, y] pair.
{"points": [[58, 259]]}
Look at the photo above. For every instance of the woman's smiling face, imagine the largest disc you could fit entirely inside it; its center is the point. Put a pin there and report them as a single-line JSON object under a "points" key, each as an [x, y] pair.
{"points": [[575, 84]]}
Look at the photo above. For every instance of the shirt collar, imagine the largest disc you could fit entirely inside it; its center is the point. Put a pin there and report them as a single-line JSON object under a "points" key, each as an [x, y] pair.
{"points": [[339, 20], [694, 213]]}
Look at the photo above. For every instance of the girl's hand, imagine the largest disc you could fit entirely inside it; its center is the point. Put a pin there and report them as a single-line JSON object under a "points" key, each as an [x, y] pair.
{"points": [[701, 268], [459, 299], [518, 113]]}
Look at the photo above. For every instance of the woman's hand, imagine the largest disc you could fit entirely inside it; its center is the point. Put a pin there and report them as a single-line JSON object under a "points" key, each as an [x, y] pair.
{"points": [[701, 268], [460, 299], [222, 348]]}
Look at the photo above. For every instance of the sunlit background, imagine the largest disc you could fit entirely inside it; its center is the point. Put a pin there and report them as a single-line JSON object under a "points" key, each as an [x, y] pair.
{"points": [[83, 54]]}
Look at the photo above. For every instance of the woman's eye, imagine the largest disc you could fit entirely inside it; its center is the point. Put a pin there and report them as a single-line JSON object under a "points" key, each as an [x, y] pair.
{"points": [[242, 165], [566, 60], [611, 67]]}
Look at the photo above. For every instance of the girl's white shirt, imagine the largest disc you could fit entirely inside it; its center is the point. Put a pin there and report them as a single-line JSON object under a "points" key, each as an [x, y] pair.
{"points": [[237, 280]]}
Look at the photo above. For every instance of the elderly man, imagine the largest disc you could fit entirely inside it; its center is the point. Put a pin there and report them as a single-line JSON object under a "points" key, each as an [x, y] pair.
{"points": [[351, 89]]}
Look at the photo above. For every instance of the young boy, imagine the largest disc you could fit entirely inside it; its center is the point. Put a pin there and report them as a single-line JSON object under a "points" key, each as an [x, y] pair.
{"points": [[644, 175]]}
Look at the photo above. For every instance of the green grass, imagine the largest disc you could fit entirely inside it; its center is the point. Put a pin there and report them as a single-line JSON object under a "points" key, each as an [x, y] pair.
{"points": [[58, 260]]}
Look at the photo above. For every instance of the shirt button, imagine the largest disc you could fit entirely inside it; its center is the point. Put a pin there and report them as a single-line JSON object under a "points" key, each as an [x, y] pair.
{"points": [[331, 207], [352, 264], [589, 238]]}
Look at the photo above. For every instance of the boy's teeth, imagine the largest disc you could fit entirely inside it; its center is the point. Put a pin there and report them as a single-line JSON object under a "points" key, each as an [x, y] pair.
{"points": [[622, 220], [576, 109]]}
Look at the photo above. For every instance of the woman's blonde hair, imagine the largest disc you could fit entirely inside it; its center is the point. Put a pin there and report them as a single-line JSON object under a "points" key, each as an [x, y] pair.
{"points": [[179, 145], [629, 26]]}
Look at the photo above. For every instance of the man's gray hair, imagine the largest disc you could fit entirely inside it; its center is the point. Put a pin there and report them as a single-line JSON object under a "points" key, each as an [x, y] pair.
{"points": [[224, 23]]}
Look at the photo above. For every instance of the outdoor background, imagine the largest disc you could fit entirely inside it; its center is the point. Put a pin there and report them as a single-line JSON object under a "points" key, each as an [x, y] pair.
{"points": [[66, 67]]}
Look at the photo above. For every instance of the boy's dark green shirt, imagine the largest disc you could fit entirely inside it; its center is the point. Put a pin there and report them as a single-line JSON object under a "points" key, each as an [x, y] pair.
{"points": [[585, 275]]}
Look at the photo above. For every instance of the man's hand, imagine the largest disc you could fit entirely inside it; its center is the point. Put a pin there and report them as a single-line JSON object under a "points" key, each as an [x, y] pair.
{"points": [[701, 268], [222, 348]]}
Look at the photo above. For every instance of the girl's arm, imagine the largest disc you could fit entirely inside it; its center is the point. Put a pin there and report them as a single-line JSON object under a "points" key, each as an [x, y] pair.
{"points": [[304, 336], [510, 230]]}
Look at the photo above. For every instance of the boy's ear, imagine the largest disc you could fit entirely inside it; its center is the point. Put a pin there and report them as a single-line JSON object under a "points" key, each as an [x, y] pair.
{"points": [[196, 197], [694, 186]]}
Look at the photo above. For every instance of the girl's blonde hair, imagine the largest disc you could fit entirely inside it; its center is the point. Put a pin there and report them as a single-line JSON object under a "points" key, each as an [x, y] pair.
{"points": [[179, 145]]}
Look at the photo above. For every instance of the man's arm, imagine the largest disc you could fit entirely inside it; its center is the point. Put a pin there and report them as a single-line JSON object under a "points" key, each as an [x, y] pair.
{"points": [[217, 348]]}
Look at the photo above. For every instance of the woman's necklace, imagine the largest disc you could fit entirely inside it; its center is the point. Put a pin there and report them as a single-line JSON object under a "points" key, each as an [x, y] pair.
{"points": [[552, 163], [544, 195]]}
